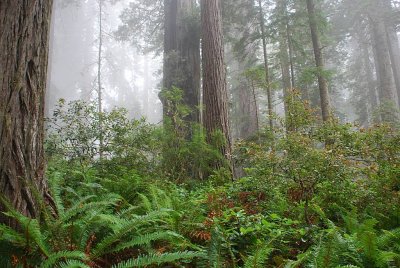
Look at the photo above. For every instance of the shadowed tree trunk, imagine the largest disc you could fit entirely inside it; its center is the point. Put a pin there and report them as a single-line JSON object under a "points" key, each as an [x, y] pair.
{"points": [[215, 96], [393, 45], [319, 61], [24, 28], [99, 81], [382, 57], [182, 54], [266, 67], [284, 59], [373, 101]]}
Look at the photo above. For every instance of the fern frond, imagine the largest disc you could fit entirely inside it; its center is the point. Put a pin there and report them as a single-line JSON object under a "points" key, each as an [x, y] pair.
{"points": [[301, 259], [146, 239], [126, 228], [98, 206], [385, 258], [146, 260], [55, 188], [10, 235], [55, 257], [146, 204], [32, 231], [259, 258], [73, 264]]}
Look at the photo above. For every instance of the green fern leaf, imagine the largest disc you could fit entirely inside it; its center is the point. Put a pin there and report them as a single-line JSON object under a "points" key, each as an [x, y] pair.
{"points": [[55, 257], [146, 260], [146, 239], [73, 264]]}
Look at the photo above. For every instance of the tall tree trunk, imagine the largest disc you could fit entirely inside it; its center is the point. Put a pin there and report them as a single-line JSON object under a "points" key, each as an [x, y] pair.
{"points": [[182, 54], [24, 29], [290, 46], [50, 95], [245, 110], [319, 61], [382, 58], [394, 51], [215, 96], [371, 85], [394, 46], [99, 84], [266, 67], [284, 59]]}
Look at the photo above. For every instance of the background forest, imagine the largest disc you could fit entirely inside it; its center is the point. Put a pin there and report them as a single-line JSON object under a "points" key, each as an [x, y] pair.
{"points": [[211, 133]]}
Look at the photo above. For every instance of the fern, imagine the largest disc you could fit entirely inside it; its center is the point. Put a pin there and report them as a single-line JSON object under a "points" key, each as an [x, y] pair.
{"points": [[146, 260], [31, 229], [55, 257], [73, 264], [260, 256], [55, 188], [82, 207], [146, 239], [10, 235], [124, 228]]}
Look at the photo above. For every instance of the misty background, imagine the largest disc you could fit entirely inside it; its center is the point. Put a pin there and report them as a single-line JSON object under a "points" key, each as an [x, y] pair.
{"points": [[131, 77]]}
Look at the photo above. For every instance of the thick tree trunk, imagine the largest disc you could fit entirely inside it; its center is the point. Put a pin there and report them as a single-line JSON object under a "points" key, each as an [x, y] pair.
{"points": [[371, 85], [24, 28], [215, 96], [245, 111], [182, 54], [394, 46], [394, 51], [319, 61]]}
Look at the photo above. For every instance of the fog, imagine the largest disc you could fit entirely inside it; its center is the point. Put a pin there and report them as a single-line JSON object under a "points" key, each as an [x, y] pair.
{"points": [[131, 75], [129, 78]]}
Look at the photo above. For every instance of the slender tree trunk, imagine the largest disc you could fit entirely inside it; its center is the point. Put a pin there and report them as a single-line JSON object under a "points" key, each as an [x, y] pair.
{"points": [[215, 96], [290, 45], [24, 30], [266, 67], [319, 61], [253, 91], [99, 84], [182, 54], [284, 60]]}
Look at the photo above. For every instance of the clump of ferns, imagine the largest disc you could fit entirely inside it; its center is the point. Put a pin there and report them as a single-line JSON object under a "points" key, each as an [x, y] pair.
{"points": [[358, 245], [94, 231]]}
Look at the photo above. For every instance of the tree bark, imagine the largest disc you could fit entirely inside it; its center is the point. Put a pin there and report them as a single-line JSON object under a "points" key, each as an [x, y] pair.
{"points": [[215, 96], [24, 29], [99, 81], [394, 46], [284, 59], [382, 57], [319, 61], [371, 85], [266, 67], [182, 54]]}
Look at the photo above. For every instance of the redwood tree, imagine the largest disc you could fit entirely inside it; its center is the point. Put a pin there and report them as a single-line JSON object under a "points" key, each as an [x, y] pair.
{"points": [[24, 28], [319, 61], [215, 96], [182, 54]]}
